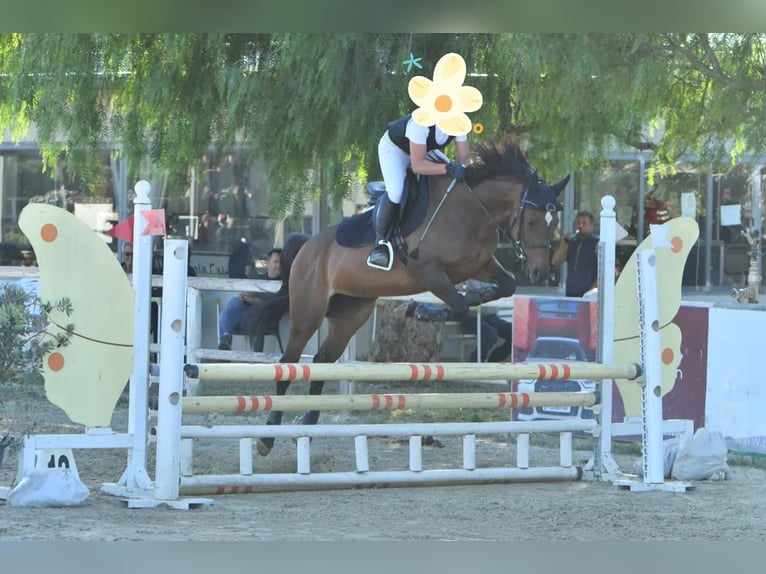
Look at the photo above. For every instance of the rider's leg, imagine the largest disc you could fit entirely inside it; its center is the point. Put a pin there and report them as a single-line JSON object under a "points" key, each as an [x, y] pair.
{"points": [[393, 164], [385, 215]]}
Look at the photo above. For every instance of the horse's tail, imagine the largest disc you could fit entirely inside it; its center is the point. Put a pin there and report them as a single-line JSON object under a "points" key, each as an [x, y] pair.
{"points": [[265, 316]]}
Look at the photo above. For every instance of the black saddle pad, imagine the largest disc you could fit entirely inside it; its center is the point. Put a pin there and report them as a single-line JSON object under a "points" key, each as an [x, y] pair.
{"points": [[358, 231]]}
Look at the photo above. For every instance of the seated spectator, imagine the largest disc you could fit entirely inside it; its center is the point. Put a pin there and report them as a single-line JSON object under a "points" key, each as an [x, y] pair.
{"points": [[230, 320]]}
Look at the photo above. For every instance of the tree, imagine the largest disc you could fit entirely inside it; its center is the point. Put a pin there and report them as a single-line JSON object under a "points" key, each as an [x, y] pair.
{"points": [[577, 95], [312, 106]]}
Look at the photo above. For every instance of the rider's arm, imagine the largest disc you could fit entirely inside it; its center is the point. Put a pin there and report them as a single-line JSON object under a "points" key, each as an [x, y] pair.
{"points": [[421, 164], [462, 152]]}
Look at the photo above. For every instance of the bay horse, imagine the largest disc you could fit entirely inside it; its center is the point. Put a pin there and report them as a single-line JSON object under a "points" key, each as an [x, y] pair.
{"points": [[324, 280]]}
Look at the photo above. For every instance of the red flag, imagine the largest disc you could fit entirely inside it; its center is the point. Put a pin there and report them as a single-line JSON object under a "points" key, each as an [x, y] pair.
{"points": [[123, 230], [155, 221]]}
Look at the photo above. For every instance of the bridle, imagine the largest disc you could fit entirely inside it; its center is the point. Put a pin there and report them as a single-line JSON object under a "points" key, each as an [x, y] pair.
{"points": [[518, 220], [526, 202]]}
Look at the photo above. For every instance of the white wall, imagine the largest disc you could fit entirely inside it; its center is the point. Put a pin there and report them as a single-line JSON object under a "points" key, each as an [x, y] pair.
{"points": [[735, 402]]}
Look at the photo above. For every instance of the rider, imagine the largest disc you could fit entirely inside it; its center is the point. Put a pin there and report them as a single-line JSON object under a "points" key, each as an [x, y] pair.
{"points": [[407, 143]]}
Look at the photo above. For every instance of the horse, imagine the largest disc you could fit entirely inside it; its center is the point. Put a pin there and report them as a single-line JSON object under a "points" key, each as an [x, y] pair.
{"points": [[454, 242]]}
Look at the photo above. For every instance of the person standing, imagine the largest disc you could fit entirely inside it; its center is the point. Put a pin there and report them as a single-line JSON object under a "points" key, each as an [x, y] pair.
{"points": [[580, 252], [407, 144]]}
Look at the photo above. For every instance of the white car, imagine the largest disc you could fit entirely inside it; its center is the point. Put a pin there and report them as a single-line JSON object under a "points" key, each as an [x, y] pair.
{"points": [[554, 350]]}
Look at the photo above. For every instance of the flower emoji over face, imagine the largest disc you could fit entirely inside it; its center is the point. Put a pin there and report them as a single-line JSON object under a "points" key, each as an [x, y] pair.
{"points": [[445, 100]]}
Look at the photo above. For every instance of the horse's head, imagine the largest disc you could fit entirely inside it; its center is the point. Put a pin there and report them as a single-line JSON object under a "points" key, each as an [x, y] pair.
{"points": [[531, 204], [534, 222]]}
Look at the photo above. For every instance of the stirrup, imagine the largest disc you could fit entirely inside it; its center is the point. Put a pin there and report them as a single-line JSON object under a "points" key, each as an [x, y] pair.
{"points": [[390, 249]]}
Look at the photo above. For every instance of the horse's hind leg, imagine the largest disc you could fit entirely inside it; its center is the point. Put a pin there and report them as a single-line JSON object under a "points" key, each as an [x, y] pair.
{"points": [[344, 317], [301, 329], [264, 444]]}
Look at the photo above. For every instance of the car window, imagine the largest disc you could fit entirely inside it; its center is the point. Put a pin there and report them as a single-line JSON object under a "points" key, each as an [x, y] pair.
{"points": [[565, 350]]}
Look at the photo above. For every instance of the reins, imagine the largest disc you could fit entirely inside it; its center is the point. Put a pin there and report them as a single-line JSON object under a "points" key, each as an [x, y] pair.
{"points": [[415, 252], [518, 247]]}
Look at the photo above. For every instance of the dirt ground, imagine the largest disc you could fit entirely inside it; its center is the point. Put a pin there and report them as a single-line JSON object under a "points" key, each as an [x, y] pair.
{"points": [[730, 510]]}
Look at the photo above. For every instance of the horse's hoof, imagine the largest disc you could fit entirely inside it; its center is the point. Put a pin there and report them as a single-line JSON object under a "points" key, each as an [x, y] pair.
{"points": [[263, 448]]}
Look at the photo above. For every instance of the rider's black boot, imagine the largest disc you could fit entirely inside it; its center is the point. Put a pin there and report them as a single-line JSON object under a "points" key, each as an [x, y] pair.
{"points": [[382, 255]]}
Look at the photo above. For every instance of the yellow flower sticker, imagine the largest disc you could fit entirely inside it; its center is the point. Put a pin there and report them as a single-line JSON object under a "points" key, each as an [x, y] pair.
{"points": [[445, 100]]}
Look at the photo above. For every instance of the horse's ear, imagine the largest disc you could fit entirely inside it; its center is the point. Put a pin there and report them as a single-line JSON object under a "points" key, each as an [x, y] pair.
{"points": [[557, 187]]}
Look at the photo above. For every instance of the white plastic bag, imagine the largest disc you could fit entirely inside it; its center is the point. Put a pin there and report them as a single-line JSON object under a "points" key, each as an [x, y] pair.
{"points": [[702, 457], [43, 487], [670, 451]]}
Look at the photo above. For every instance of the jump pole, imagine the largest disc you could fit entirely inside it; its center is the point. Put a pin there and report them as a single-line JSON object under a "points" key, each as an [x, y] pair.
{"points": [[229, 372], [385, 402]]}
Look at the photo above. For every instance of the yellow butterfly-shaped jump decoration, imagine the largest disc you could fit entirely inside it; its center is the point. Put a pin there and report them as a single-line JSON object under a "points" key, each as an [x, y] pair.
{"points": [[672, 242], [86, 377]]}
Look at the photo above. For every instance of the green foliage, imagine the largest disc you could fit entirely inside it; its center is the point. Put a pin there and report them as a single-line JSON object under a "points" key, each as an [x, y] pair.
{"points": [[24, 340], [313, 106]]}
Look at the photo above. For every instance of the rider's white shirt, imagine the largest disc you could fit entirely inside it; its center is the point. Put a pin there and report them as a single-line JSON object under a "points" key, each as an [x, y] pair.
{"points": [[419, 134]]}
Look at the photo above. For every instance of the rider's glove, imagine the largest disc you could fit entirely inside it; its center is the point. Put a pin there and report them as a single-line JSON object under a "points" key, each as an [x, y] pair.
{"points": [[456, 170]]}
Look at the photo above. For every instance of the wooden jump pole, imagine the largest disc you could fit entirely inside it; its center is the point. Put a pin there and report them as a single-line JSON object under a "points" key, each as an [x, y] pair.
{"points": [[279, 482], [385, 402], [228, 372]]}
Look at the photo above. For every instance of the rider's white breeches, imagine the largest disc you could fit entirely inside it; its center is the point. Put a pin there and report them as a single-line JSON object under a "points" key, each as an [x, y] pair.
{"points": [[393, 164]]}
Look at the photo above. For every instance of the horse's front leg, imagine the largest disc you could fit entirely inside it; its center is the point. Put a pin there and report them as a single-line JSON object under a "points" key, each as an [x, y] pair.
{"points": [[504, 280], [435, 280], [501, 283]]}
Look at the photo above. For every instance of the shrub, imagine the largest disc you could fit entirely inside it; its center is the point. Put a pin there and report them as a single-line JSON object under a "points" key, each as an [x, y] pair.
{"points": [[24, 340]]}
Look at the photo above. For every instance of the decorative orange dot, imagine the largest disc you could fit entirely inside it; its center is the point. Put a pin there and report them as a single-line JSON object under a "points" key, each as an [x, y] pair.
{"points": [[478, 128], [49, 233], [55, 362], [667, 356], [443, 103], [676, 244]]}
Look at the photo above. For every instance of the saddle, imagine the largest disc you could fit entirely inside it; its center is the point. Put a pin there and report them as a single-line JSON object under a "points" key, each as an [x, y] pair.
{"points": [[358, 230]]}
